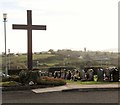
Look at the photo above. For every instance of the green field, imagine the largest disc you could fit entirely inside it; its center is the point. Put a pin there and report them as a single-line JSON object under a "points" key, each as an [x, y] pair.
{"points": [[62, 58], [22, 58]]}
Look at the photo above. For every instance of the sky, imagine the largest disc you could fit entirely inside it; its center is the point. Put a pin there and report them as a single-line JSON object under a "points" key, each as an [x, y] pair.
{"points": [[71, 24]]}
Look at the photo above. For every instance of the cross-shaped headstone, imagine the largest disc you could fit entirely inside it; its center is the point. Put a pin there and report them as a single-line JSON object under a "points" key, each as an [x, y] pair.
{"points": [[29, 27]]}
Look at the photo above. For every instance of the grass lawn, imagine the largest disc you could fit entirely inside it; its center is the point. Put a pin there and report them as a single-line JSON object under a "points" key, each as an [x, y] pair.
{"points": [[90, 82], [9, 83]]}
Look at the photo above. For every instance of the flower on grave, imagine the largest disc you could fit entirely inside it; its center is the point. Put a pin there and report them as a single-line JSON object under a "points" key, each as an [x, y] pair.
{"points": [[31, 83]]}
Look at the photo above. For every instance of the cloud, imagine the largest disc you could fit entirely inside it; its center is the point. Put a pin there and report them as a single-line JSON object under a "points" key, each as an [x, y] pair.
{"points": [[9, 5]]}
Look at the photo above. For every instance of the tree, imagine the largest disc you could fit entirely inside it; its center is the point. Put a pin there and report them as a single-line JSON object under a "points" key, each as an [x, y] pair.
{"points": [[51, 51]]}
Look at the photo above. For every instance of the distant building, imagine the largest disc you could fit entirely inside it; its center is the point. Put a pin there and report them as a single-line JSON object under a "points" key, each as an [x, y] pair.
{"points": [[85, 49], [44, 52], [36, 52], [24, 53], [80, 57]]}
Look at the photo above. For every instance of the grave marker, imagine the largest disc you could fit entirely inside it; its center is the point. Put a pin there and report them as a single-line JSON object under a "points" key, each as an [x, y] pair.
{"points": [[100, 75]]}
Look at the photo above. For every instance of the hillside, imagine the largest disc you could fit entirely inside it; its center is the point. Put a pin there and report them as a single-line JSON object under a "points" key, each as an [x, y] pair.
{"points": [[63, 58]]}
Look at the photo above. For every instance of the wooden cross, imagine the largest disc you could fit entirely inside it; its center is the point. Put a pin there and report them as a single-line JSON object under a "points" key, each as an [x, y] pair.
{"points": [[29, 27]]}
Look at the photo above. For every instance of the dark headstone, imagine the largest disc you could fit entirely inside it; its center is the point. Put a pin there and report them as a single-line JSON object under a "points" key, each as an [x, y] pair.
{"points": [[100, 75], [68, 76], [50, 74], [90, 76], [82, 75], [115, 74], [107, 75], [76, 76], [63, 76], [55, 74], [59, 74]]}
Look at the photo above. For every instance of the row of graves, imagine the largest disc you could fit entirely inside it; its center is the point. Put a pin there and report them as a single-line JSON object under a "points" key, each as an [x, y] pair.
{"points": [[86, 74], [70, 73]]}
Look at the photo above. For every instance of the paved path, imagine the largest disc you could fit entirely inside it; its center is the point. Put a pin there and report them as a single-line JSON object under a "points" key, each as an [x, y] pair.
{"points": [[74, 87]]}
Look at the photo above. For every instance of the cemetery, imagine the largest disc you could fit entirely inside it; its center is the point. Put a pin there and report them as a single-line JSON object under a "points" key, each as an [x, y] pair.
{"points": [[59, 52], [37, 78], [56, 67]]}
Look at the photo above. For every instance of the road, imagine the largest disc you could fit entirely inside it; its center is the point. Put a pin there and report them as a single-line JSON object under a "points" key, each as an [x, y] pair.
{"points": [[60, 97]]}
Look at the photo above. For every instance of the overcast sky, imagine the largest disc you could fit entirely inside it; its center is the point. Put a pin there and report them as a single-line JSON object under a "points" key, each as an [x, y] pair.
{"points": [[71, 24]]}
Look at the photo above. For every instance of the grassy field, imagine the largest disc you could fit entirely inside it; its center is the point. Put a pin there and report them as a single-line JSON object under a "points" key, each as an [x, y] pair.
{"points": [[42, 56], [24, 57], [21, 59], [61, 58]]}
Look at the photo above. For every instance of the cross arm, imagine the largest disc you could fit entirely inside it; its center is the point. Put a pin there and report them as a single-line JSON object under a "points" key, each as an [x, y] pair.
{"points": [[38, 27], [17, 26]]}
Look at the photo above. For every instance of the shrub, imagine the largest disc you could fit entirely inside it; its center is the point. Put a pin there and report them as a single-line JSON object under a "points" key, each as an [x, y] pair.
{"points": [[5, 79], [50, 81], [33, 76], [11, 78], [15, 78], [22, 76], [28, 76]]}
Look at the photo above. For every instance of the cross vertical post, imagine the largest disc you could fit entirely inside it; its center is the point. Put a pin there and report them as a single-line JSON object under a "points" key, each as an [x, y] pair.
{"points": [[29, 36]]}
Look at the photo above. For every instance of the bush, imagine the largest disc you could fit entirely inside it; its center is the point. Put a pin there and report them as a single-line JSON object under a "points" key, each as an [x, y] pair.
{"points": [[50, 81], [5, 79], [15, 78], [23, 76], [11, 78], [33, 76], [28, 76]]}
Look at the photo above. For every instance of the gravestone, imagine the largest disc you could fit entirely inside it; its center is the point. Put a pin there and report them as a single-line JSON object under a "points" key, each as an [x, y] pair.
{"points": [[65, 74], [55, 74], [100, 75], [115, 74], [90, 76], [107, 75], [69, 74], [62, 74], [59, 74], [76, 76], [82, 75], [50, 74]]}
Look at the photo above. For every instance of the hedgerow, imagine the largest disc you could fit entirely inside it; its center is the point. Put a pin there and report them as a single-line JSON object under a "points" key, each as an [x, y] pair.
{"points": [[50, 81]]}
